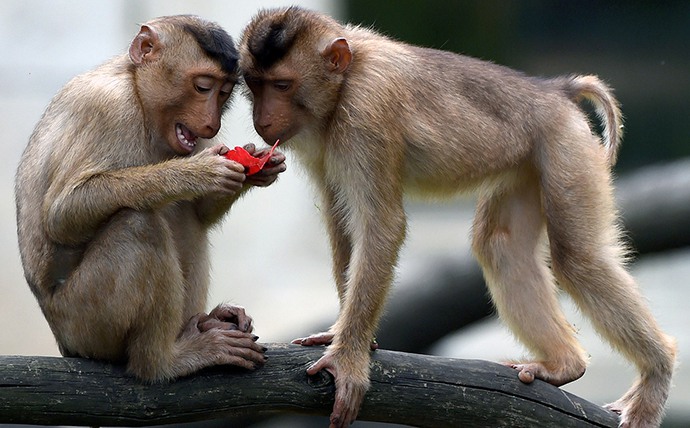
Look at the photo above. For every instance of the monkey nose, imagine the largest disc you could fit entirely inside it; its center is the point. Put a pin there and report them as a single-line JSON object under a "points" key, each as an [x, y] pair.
{"points": [[263, 129], [212, 126]]}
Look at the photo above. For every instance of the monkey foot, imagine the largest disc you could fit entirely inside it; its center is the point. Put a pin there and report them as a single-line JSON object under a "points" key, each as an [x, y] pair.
{"points": [[626, 420], [615, 407], [226, 317], [559, 376], [642, 405]]}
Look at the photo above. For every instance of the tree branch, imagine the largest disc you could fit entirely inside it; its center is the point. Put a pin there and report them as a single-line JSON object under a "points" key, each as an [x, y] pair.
{"points": [[406, 388]]}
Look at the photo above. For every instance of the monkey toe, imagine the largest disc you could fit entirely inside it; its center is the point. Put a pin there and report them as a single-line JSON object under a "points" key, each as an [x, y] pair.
{"points": [[241, 362], [212, 323], [232, 314], [615, 407], [638, 408], [244, 357], [526, 376]]}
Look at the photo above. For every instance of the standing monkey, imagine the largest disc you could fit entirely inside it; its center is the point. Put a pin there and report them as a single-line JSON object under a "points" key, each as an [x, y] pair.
{"points": [[116, 195], [371, 118]]}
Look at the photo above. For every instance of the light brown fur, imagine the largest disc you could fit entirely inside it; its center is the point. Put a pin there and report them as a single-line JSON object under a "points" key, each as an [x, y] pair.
{"points": [[372, 118], [113, 210]]}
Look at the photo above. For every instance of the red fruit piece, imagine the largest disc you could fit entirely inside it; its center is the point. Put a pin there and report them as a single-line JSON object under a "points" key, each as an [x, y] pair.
{"points": [[251, 164]]}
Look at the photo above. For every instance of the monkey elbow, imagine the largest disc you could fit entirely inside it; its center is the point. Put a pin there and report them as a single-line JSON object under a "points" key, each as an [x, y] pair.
{"points": [[59, 227]]}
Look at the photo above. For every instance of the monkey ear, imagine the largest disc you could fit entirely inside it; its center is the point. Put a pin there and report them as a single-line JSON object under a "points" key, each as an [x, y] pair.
{"points": [[146, 46], [338, 55]]}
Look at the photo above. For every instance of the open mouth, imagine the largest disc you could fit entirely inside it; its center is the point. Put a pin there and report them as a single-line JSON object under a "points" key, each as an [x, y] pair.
{"points": [[186, 137]]}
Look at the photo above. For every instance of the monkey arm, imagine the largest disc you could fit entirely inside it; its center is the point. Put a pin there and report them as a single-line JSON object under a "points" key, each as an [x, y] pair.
{"points": [[369, 238], [211, 209], [74, 209], [341, 244]]}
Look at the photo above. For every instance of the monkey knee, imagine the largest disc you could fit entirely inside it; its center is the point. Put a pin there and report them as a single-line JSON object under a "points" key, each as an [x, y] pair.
{"points": [[490, 248]]}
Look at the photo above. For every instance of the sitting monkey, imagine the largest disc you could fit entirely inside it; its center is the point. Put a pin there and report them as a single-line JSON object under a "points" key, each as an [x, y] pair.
{"points": [[116, 193]]}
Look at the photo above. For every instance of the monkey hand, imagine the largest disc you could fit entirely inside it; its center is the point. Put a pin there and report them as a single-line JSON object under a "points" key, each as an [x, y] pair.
{"points": [[252, 162], [226, 317], [221, 175], [274, 164], [317, 339], [351, 374], [324, 338]]}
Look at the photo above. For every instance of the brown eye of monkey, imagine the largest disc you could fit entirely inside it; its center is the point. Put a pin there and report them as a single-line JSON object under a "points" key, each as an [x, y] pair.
{"points": [[282, 85], [251, 81], [226, 90], [201, 89]]}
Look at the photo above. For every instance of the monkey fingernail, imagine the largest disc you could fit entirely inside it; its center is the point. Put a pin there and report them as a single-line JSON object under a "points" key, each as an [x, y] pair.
{"points": [[255, 337]]}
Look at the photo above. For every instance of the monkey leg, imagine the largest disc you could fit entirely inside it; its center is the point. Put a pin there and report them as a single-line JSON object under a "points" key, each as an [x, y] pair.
{"points": [[125, 301], [588, 261], [508, 242]]}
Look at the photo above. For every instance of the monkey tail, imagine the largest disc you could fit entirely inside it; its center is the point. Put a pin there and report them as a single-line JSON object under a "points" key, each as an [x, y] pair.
{"points": [[606, 107]]}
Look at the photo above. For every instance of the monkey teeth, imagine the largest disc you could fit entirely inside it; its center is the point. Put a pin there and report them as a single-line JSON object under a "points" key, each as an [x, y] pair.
{"points": [[186, 138]]}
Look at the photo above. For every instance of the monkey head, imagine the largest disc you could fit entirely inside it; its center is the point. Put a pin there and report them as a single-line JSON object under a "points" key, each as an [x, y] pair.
{"points": [[294, 64], [185, 69]]}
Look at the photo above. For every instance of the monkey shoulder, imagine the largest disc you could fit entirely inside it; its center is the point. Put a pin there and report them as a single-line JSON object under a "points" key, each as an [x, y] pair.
{"points": [[101, 94]]}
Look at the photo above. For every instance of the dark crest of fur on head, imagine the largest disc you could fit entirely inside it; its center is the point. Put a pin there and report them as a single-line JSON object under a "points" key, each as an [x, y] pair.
{"points": [[274, 35], [211, 37], [216, 42]]}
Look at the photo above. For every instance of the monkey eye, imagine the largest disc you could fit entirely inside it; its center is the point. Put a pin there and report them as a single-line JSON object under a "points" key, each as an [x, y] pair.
{"points": [[226, 89], [282, 85], [202, 89], [251, 81]]}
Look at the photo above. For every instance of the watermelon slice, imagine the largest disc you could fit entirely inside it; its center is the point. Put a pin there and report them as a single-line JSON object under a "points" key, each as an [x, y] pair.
{"points": [[251, 164]]}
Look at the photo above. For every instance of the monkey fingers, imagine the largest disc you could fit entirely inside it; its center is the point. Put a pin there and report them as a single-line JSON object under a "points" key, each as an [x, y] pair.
{"points": [[269, 173], [232, 314], [325, 338], [252, 162], [349, 390], [201, 322], [207, 323], [348, 399], [237, 348]]}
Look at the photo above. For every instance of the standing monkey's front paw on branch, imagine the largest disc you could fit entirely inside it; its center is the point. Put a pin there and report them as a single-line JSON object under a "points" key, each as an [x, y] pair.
{"points": [[349, 395], [351, 384]]}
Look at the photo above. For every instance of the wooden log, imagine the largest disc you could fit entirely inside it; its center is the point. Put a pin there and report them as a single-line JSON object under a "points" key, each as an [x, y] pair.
{"points": [[410, 389]]}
